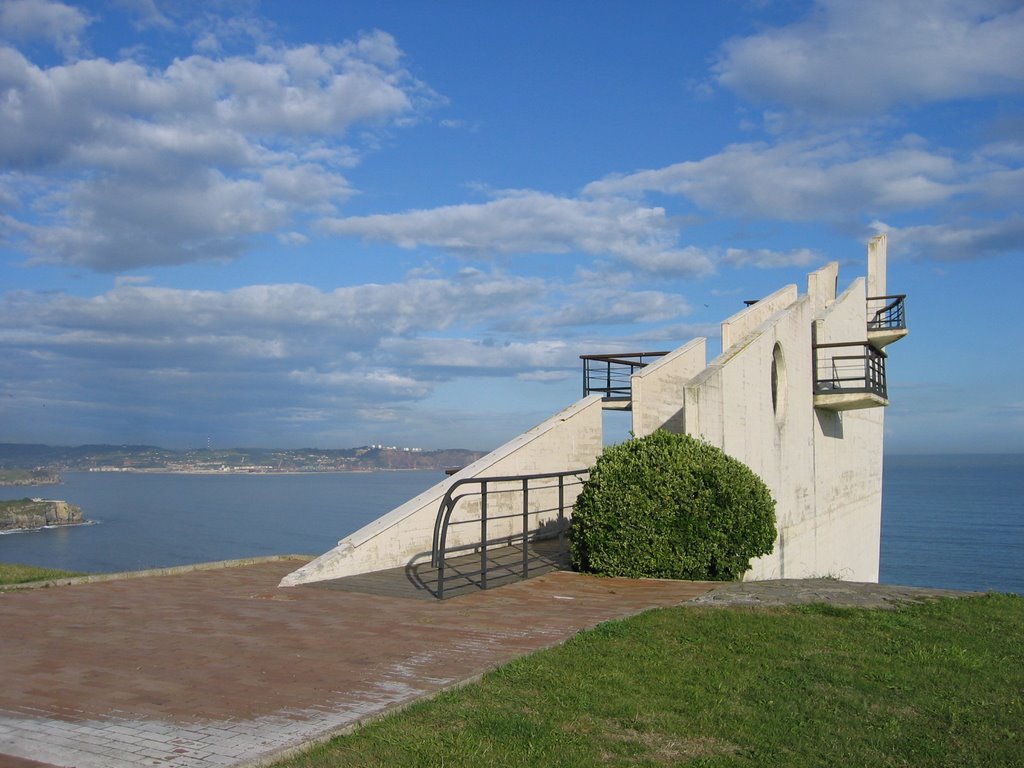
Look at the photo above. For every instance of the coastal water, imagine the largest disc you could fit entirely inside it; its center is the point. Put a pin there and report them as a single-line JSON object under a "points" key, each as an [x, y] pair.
{"points": [[157, 520], [947, 521], [954, 521]]}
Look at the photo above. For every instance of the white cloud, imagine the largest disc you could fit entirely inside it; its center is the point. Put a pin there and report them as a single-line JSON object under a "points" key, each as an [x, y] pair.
{"points": [[360, 381], [802, 180], [592, 303], [663, 338], [146, 13], [269, 328], [294, 351], [960, 241], [237, 27], [120, 165], [998, 176], [292, 238], [763, 258], [481, 356], [58, 24], [525, 221], [380, 414], [546, 376], [867, 56]]}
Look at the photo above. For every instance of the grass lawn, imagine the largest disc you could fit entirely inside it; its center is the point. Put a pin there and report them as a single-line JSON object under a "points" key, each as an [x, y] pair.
{"points": [[12, 573], [936, 684]]}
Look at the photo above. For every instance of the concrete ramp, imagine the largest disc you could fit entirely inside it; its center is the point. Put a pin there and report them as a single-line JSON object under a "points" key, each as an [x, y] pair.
{"points": [[571, 439]]}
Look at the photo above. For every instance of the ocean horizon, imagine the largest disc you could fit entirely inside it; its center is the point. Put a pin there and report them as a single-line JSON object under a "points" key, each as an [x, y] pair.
{"points": [[954, 521], [949, 521]]}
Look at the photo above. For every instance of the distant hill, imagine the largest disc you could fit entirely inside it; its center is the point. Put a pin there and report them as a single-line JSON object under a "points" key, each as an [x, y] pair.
{"points": [[20, 456]]}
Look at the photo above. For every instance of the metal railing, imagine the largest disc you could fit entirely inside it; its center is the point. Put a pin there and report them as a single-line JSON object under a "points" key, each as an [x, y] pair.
{"points": [[862, 370], [886, 313], [608, 375], [549, 491]]}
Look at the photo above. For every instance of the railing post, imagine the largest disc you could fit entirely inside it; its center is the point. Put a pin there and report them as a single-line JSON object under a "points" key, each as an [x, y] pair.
{"points": [[440, 579], [561, 511], [483, 534], [440, 542], [526, 526]]}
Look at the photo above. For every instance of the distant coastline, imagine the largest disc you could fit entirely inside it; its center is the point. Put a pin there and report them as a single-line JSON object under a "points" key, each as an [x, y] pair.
{"points": [[41, 459], [245, 471], [27, 477]]}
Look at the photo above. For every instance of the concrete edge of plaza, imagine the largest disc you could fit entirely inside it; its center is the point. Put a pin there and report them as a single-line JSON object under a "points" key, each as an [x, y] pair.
{"points": [[94, 578]]}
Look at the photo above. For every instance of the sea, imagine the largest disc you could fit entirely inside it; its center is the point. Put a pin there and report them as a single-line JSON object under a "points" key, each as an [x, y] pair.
{"points": [[952, 521]]}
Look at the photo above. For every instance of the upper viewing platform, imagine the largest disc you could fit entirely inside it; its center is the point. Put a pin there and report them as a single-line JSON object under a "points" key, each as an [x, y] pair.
{"points": [[849, 372], [849, 376], [887, 319], [609, 376]]}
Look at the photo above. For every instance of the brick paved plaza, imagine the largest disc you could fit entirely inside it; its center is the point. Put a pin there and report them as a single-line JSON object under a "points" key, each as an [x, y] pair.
{"points": [[222, 667]]}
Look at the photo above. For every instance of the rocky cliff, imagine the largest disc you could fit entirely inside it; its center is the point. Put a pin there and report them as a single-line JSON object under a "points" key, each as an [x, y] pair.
{"points": [[36, 513]]}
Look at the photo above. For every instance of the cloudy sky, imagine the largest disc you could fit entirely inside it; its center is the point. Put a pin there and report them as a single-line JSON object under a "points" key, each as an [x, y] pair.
{"points": [[338, 223]]}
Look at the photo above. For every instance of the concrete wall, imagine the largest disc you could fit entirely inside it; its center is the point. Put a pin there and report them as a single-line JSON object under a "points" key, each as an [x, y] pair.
{"points": [[745, 321], [822, 286], [658, 388], [823, 468], [569, 440], [848, 459], [877, 265], [730, 405]]}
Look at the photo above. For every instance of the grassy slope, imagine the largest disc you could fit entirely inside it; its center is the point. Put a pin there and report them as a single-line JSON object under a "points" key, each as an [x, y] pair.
{"points": [[940, 684], [12, 573]]}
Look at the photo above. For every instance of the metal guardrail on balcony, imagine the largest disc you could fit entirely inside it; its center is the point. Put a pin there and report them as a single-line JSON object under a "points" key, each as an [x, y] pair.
{"points": [[491, 504], [608, 375], [886, 313], [849, 368]]}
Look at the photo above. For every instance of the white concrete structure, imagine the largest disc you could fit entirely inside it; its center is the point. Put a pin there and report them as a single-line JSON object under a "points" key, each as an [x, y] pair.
{"points": [[820, 454], [812, 429]]}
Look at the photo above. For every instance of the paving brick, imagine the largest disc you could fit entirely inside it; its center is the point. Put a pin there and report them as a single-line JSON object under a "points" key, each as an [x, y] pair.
{"points": [[210, 668]]}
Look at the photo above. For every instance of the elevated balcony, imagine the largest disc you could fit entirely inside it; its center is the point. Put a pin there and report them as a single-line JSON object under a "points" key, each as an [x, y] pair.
{"points": [[887, 320], [609, 376], [849, 376]]}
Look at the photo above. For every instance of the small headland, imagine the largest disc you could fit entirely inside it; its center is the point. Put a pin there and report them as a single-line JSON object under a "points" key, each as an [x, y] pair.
{"points": [[31, 514]]}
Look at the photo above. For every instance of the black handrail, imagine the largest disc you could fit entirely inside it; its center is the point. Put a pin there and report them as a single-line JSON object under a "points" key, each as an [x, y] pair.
{"points": [[608, 375], [891, 316], [485, 487], [853, 373]]}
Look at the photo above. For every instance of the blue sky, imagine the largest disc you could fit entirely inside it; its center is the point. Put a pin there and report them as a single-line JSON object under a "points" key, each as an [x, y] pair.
{"points": [[332, 224]]}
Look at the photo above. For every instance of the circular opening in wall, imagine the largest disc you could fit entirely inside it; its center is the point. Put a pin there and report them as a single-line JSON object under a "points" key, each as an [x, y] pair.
{"points": [[778, 383]]}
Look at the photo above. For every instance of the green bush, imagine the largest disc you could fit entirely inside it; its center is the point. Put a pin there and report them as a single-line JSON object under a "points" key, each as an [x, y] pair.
{"points": [[670, 506]]}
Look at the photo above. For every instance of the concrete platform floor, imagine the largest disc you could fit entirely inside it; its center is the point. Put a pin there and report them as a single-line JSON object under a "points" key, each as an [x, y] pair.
{"points": [[223, 668]]}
